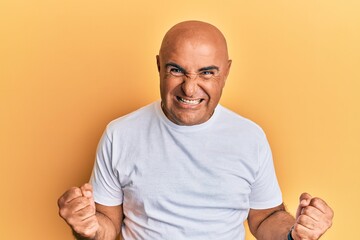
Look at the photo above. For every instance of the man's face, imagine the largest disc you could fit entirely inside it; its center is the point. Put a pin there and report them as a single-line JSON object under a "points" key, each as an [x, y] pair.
{"points": [[192, 76]]}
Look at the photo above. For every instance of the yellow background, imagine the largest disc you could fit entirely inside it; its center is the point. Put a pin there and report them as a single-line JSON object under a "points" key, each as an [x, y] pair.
{"points": [[69, 67]]}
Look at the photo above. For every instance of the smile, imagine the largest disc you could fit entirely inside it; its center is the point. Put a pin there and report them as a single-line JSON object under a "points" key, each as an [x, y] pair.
{"points": [[187, 101]]}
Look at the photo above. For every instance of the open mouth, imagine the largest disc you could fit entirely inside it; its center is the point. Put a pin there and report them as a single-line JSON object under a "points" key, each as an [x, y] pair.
{"points": [[188, 101]]}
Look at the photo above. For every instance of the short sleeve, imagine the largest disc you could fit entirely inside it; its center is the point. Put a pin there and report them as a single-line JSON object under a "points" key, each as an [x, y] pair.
{"points": [[104, 178], [265, 191]]}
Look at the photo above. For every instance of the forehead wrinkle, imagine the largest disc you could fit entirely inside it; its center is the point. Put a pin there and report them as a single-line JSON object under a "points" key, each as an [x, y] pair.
{"points": [[194, 58]]}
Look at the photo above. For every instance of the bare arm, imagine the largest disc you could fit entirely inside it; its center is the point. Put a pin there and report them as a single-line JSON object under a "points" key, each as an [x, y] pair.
{"points": [[89, 221], [109, 223], [270, 224], [313, 219]]}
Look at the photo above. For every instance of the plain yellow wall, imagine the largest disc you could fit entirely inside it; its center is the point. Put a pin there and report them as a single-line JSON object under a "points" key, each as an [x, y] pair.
{"points": [[69, 67]]}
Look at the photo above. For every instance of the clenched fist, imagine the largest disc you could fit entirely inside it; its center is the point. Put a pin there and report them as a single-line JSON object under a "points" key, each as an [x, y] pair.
{"points": [[77, 208], [313, 218]]}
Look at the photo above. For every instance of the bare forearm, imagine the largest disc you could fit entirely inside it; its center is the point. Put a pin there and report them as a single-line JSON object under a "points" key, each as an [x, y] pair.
{"points": [[276, 226], [313, 218], [106, 230]]}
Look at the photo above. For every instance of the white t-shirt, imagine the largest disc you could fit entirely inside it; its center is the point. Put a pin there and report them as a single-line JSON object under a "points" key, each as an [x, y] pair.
{"points": [[184, 182]]}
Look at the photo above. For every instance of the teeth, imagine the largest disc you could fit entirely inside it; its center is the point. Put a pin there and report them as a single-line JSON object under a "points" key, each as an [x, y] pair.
{"points": [[189, 101]]}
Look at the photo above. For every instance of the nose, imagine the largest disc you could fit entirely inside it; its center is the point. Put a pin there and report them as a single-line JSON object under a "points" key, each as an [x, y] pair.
{"points": [[189, 85]]}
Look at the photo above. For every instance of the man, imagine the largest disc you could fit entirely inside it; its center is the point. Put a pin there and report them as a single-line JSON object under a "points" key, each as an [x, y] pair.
{"points": [[186, 167]]}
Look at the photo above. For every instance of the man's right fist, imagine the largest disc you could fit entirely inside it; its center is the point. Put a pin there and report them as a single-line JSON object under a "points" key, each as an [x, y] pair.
{"points": [[77, 208]]}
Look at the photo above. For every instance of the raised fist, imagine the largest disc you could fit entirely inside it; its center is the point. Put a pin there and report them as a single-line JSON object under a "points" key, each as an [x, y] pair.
{"points": [[77, 208], [313, 218]]}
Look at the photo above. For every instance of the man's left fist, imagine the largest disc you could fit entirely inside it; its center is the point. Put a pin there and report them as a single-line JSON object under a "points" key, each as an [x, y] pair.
{"points": [[313, 218]]}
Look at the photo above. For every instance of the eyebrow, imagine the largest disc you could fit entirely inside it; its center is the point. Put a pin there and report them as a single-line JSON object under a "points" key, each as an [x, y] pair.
{"points": [[171, 64], [212, 67]]}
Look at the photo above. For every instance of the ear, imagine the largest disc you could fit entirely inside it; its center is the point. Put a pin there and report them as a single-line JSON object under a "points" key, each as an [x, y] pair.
{"points": [[158, 62], [228, 68]]}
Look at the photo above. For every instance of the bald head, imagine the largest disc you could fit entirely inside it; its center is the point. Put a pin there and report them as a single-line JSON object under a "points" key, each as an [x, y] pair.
{"points": [[195, 33], [193, 65]]}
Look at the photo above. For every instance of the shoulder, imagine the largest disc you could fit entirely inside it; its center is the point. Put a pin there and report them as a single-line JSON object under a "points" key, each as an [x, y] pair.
{"points": [[237, 123], [134, 120]]}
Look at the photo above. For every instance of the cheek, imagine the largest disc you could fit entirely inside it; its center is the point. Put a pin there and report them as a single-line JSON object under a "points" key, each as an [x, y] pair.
{"points": [[213, 90], [168, 86]]}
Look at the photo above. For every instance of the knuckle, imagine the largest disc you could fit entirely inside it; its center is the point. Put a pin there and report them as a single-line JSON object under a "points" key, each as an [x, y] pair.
{"points": [[60, 202], [72, 189], [316, 201], [301, 219], [328, 223], [306, 211], [87, 186], [296, 228], [304, 195], [72, 192], [68, 195], [62, 212], [71, 221], [80, 201], [78, 229], [76, 190]]}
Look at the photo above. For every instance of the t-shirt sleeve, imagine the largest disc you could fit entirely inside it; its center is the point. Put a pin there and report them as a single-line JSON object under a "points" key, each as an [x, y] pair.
{"points": [[104, 178], [265, 191]]}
